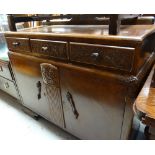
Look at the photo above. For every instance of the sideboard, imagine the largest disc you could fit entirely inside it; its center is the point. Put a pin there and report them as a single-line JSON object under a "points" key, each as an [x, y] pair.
{"points": [[81, 78], [7, 80]]}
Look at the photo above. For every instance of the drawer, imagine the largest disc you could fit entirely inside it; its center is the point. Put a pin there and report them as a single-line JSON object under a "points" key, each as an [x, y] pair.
{"points": [[56, 49], [5, 71], [102, 55], [18, 44], [8, 87]]}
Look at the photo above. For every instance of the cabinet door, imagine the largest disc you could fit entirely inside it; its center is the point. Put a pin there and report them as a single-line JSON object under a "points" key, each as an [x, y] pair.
{"points": [[37, 85], [93, 106]]}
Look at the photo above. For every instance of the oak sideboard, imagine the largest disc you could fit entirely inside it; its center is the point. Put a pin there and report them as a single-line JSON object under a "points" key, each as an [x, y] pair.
{"points": [[81, 78]]}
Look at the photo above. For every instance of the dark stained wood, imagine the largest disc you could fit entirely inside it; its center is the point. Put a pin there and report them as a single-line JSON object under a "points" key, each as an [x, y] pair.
{"points": [[101, 55], [18, 44], [114, 24], [54, 49], [100, 103], [60, 16], [128, 36], [101, 21], [28, 73], [138, 21], [100, 112], [11, 23], [141, 44], [123, 79]]}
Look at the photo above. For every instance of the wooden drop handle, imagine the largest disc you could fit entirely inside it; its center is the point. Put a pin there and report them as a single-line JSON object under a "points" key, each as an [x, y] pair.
{"points": [[39, 89], [71, 101]]}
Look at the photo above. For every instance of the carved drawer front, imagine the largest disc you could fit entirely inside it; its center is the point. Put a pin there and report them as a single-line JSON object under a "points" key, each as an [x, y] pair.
{"points": [[56, 49], [18, 44], [102, 55], [5, 71]]}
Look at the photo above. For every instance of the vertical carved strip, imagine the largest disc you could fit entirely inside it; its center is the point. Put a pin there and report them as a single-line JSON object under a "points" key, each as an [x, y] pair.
{"points": [[50, 77]]}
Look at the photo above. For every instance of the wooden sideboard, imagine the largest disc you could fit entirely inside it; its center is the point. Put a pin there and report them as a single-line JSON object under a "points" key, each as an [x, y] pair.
{"points": [[80, 77], [7, 80]]}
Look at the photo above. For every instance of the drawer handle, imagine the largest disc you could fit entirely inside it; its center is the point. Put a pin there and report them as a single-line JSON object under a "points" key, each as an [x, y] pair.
{"points": [[44, 48], [1, 68], [71, 101], [15, 44], [39, 89], [95, 55], [6, 85]]}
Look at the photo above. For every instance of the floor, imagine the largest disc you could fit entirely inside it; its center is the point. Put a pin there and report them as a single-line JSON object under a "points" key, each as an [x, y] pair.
{"points": [[19, 126]]}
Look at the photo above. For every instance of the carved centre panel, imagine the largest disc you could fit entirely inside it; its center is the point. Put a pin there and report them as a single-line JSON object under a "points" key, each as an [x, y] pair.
{"points": [[50, 77]]}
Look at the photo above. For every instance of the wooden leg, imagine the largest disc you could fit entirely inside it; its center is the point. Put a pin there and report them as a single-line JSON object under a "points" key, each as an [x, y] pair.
{"points": [[146, 133], [31, 113]]}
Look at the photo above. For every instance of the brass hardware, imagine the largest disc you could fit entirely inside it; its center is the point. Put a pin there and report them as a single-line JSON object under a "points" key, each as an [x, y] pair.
{"points": [[15, 44], [95, 55], [71, 101], [39, 89], [44, 48], [6, 85], [1, 68]]}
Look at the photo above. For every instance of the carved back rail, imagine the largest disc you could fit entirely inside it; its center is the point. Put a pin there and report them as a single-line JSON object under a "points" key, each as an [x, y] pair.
{"points": [[114, 20]]}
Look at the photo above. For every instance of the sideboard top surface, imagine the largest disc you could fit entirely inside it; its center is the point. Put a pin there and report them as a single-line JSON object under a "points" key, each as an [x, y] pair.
{"points": [[127, 32]]}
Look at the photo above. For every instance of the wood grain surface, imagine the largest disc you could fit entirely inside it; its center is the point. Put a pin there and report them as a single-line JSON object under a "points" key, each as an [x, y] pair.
{"points": [[102, 97], [95, 33], [145, 101]]}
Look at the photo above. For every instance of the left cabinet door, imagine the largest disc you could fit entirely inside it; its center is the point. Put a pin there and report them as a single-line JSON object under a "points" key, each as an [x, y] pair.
{"points": [[37, 93]]}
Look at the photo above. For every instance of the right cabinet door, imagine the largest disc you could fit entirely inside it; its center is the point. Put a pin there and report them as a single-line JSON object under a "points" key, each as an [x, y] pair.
{"points": [[93, 106]]}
